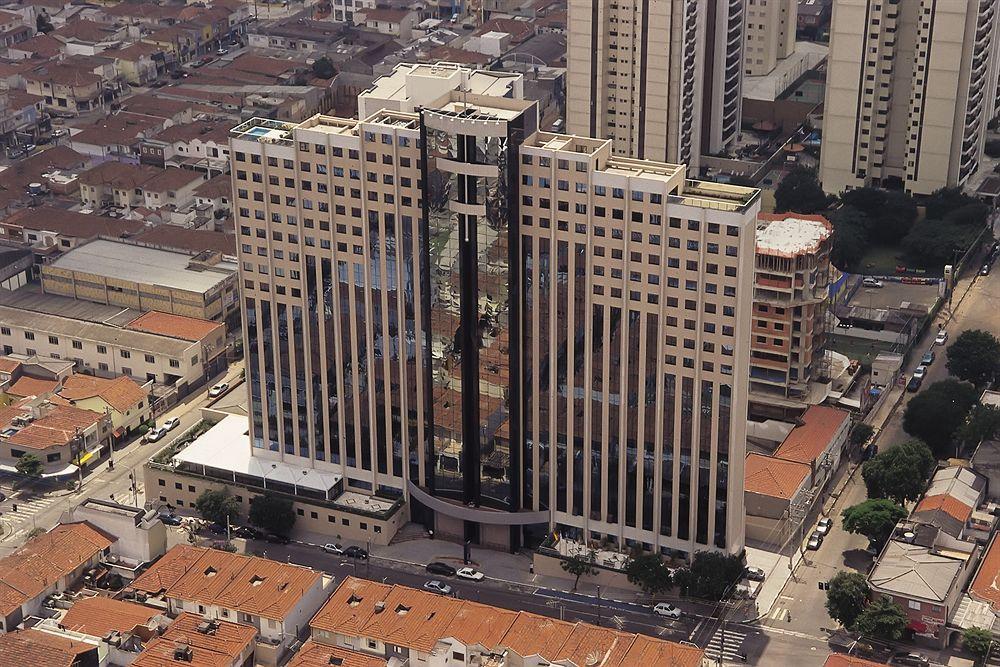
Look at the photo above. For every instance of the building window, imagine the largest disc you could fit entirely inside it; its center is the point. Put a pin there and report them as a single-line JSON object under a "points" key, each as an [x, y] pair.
{"points": [[125, 354], [914, 605], [53, 340]]}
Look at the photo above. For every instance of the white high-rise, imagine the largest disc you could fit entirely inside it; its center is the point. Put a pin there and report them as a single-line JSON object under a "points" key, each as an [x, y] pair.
{"points": [[770, 34]]}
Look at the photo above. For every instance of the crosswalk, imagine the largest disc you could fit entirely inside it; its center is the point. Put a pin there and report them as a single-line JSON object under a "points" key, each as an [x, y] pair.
{"points": [[16, 523], [725, 645], [778, 614]]}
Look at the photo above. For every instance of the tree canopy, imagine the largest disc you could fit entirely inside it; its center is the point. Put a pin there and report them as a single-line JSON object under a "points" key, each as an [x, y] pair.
{"points": [[887, 215], [899, 472], [935, 414], [711, 575], [649, 572], [977, 641], [272, 513], [882, 619], [983, 423], [217, 506], [874, 518], [975, 357], [846, 597], [29, 465], [323, 68], [850, 238], [800, 191], [579, 564]]}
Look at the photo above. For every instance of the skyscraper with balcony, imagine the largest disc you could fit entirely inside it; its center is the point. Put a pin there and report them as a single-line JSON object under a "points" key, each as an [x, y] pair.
{"points": [[910, 88], [517, 331], [661, 80]]}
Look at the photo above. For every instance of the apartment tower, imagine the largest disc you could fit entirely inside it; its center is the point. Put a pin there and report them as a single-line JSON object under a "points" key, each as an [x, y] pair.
{"points": [[517, 331], [910, 89], [661, 80], [770, 34]]}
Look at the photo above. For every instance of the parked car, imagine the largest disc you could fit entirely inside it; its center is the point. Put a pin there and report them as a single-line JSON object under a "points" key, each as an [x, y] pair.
{"points": [[914, 383], [909, 659], [824, 526], [667, 610], [169, 519], [274, 538], [754, 573], [59, 132], [920, 372], [171, 424], [436, 586], [222, 51], [871, 282], [941, 338], [334, 549], [443, 569], [356, 552], [154, 434], [815, 540], [217, 529], [218, 390], [928, 358], [470, 573], [985, 271], [247, 532]]}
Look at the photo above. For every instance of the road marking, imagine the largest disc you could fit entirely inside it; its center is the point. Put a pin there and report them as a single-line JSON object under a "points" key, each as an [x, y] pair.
{"points": [[725, 644], [701, 622], [778, 614]]}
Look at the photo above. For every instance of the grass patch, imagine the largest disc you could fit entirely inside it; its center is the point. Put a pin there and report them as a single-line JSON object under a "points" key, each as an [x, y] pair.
{"points": [[864, 351], [881, 260]]}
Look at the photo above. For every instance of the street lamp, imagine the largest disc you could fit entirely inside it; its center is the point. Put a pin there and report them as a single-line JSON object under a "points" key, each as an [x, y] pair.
{"points": [[264, 476]]}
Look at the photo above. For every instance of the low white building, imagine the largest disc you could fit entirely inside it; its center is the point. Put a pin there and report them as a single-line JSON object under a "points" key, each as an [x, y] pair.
{"points": [[142, 537]]}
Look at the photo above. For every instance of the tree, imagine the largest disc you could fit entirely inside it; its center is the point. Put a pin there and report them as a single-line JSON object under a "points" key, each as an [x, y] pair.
{"points": [[272, 513], [874, 518], [42, 23], [977, 641], [217, 506], [935, 414], [882, 619], [711, 575], [860, 434], [943, 201], [974, 213], [29, 465], [932, 243], [850, 238], [323, 68], [975, 357], [800, 191], [649, 572], [889, 214], [983, 423], [846, 597], [899, 472], [580, 564]]}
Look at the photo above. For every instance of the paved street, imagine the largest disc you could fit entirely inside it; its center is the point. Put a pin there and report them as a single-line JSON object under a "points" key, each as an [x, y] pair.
{"points": [[800, 607]]}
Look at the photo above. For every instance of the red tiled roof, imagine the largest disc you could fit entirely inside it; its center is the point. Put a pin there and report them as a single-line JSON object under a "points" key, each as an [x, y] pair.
{"points": [[72, 224], [807, 441], [55, 429], [986, 585], [771, 476], [34, 647], [121, 393], [29, 386], [97, 616], [313, 654], [220, 647], [946, 503], [174, 326]]}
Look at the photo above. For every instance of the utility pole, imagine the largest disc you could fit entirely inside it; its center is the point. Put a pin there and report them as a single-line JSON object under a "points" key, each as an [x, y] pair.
{"points": [[598, 606]]}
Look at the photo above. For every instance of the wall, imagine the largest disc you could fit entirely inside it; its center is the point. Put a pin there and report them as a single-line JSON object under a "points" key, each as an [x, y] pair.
{"points": [[142, 543]]}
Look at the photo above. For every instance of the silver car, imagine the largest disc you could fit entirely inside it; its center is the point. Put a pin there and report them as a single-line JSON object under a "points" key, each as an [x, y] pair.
{"points": [[436, 586]]}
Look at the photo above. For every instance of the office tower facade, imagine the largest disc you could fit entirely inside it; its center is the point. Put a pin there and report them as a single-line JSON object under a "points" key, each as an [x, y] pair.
{"points": [[515, 330], [909, 91], [770, 34], [661, 80]]}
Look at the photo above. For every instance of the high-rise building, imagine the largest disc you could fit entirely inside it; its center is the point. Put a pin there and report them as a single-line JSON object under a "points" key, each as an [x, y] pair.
{"points": [[517, 331], [910, 88], [770, 34], [661, 80]]}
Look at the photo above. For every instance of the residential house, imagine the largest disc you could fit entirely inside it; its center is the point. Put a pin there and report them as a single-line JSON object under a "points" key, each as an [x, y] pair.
{"points": [[20, 115], [201, 145], [192, 640], [171, 237], [89, 38], [14, 182], [37, 647], [314, 654], [395, 22], [139, 63], [297, 36], [773, 486], [818, 440], [53, 227], [123, 399], [62, 437], [142, 537], [277, 599], [216, 192], [411, 626], [39, 47], [67, 89], [925, 571], [171, 187], [952, 503], [114, 183], [99, 616], [13, 29], [46, 564], [117, 136]]}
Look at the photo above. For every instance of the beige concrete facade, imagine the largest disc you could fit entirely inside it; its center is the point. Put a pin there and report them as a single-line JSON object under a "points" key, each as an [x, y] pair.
{"points": [[770, 34], [662, 80], [910, 89], [617, 281]]}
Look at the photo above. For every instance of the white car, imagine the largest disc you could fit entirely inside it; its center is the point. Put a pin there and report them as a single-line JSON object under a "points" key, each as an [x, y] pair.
{"points": [[667, 610], [438, 587], [824, 526], [154, 434], [171, 424], [941, 338], [218, 390], [335, 549], [920, 372], [470, 573], [871, 282], [222, 52]]}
